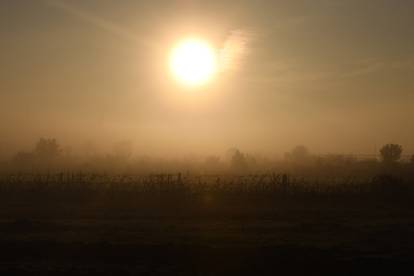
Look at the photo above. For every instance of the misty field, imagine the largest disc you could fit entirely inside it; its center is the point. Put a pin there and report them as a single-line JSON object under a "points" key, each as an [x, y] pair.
{"points": [[201, 138], [84, 223]]}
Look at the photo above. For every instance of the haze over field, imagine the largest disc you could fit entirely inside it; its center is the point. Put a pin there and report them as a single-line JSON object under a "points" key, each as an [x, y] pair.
{"points": [[206, 137], [333, 75]]}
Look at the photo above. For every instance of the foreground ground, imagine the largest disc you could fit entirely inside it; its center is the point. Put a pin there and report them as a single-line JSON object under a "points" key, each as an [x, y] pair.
{"points": [[55, 228], [302, 241]]}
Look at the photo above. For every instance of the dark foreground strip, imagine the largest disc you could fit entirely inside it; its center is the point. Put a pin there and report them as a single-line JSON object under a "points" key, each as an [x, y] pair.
{"points": [[50, 258]]}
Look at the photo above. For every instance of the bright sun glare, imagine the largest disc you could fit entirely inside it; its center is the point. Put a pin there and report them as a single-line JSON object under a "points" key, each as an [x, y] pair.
{"points": [[193, 62]]}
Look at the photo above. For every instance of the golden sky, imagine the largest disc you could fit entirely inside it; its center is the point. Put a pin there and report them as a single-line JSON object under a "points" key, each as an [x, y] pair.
{"points": [[336, 76]]}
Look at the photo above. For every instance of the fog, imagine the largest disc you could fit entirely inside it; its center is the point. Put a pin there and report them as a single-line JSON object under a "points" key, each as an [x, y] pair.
{"points": [[334, 76]]}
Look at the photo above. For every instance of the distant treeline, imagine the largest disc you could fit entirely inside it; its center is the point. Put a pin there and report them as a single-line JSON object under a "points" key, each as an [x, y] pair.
{"points": [[48, 156]]}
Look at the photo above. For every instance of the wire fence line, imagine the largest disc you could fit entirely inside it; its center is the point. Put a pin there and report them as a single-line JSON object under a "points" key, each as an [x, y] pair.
{"points": [[265, 184]]}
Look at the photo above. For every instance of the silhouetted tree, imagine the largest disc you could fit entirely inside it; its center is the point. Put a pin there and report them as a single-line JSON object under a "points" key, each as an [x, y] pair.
{"points": [[299, 154], [47, 149], [391, 153], [238, 161]]}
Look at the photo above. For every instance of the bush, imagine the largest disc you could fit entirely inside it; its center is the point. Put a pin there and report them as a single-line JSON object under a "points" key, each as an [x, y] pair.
{"points": [[391, 153]]}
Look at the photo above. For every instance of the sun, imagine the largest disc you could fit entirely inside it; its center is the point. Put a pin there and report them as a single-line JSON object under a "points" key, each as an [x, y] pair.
{"points": [[193, 62]]}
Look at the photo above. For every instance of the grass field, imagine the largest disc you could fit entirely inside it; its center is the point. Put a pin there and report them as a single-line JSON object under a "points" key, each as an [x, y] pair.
{"points": [[152, 225]]}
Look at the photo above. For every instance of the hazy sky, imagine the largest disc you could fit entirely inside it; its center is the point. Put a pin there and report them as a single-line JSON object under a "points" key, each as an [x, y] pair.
{"points": [[336, 76]]}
